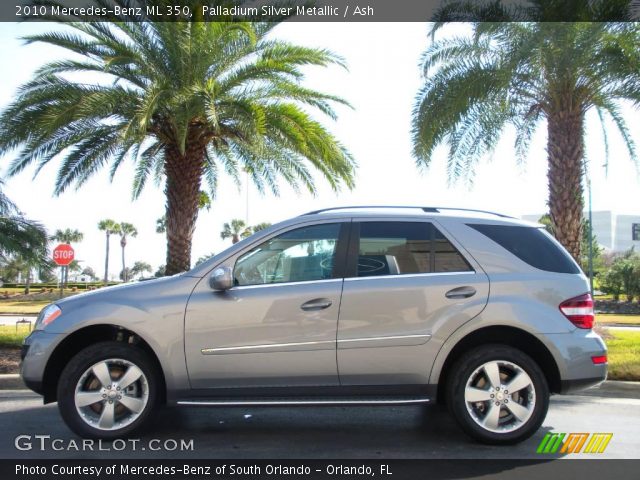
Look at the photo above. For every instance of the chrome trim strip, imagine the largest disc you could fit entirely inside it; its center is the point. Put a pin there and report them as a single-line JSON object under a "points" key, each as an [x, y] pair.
{"points": [[306, 282], [330, 344], [379, 342], [269, 347], [302, 402], [410, 275], [395, 337]]}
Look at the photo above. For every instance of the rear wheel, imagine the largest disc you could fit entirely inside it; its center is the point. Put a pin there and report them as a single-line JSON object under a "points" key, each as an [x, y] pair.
{"points": [[107, 390], [498, 394]]}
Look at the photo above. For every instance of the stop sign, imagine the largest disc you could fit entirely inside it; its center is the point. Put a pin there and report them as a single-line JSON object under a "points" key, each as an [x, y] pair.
{"points": [[63, 254]]}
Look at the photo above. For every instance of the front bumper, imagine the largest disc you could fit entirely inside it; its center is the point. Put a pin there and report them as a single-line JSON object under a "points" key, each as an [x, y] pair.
{"points": [[36, 351]]}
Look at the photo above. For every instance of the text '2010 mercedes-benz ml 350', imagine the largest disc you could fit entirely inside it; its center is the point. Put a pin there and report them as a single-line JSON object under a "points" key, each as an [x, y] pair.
{"points": [[343, 306]]}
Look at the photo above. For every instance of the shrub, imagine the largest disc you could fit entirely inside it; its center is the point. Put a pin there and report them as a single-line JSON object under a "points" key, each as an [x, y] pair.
{"points": [[611, 283], [623, 277]]}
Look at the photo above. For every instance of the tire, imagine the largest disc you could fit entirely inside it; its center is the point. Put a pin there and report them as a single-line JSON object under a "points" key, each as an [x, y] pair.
{"points": [[91, 409], [491, 413]]}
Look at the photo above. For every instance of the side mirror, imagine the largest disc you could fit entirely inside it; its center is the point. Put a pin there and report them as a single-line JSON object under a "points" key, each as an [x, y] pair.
{"points": [[221, 279]]}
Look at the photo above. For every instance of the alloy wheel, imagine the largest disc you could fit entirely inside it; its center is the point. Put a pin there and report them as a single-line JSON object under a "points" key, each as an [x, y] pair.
{"points": [[500, 396], [111, 394]]}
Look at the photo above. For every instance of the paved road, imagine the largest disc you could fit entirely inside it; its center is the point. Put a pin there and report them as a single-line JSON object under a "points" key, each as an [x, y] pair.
{"points": [[327, 432]]}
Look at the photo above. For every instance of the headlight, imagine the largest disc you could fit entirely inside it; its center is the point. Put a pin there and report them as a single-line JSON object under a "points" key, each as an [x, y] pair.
{"points": [[47, 315]]}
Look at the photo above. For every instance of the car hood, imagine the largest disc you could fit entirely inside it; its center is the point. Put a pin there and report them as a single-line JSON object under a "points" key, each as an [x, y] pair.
{"points": [[132, 293]]}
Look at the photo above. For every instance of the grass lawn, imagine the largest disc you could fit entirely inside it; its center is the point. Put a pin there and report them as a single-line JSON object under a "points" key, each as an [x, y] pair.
{"points": [[622, 297], [31, 304], [624, 356], [9, 337], [609, 318], [22, 308]]}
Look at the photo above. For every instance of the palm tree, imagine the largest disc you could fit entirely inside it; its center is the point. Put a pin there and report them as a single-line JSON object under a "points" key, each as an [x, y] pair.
{"points": [[89, 272], [186, 100], [67, 236], [126, 230], [523, 75], [235, 230], [204, 258], [204, 202], [14, 269], [19, 235], [260, 226], [109, 227], [140, 267]]}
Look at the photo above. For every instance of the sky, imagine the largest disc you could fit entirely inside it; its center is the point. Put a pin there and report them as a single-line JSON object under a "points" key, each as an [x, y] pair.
{"points": [[382, 79]]}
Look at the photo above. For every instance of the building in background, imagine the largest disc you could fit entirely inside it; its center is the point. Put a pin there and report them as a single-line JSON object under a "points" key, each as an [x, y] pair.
{"points": [[614, 232]]}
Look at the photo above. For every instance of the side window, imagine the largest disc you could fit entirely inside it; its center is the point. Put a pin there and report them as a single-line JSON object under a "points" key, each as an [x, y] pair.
{"points": [[531, 245], [298, 255], [398, 248]]}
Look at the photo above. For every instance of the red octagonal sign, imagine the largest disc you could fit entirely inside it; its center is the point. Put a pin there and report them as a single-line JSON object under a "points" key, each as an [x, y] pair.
{"points": [[63, 254]]}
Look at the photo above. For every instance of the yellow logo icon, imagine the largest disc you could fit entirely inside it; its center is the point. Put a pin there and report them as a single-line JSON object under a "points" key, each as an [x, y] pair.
{"points": [[574, 443]]}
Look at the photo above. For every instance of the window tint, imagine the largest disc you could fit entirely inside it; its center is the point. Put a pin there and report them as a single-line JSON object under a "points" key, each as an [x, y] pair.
{"points": [[531, 245], [397, 248], [298, 255]]}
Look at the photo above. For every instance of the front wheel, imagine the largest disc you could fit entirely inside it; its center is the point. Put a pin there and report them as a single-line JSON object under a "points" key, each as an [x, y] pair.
{"points": [[107, 390], [498, 394]]}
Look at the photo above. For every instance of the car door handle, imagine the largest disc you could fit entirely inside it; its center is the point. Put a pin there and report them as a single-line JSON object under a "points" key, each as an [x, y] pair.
{"points": [[316, 304], [461, 292]]}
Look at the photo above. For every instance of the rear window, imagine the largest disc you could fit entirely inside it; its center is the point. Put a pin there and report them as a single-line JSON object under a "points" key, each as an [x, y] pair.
{"points": [[531, 245]]}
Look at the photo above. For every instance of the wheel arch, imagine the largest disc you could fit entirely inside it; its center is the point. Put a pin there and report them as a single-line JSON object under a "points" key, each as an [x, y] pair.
{"points": [[85, 337], [507, 335]]}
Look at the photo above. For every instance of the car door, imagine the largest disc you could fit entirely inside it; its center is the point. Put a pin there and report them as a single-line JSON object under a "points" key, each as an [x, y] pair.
{"points": [[408, 287], [277, 325]]}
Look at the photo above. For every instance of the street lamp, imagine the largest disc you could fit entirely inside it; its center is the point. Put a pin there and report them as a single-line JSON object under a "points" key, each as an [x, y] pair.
{"points": [[590, 237]]}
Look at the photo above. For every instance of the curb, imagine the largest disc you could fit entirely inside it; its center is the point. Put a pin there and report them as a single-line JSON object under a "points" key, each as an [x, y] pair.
{"points": [[11, 381], [613, 388]]}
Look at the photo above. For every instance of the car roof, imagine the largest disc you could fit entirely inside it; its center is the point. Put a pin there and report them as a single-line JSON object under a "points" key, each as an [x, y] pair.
{"points": [[362, 211], [400, 211]]}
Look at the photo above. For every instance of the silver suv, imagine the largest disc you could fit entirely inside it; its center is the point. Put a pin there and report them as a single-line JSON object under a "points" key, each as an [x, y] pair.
{"points": [[343, 306]]}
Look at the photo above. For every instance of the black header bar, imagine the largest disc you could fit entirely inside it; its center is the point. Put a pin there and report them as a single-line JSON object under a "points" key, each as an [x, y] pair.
{"points": [[321, 10], [223, 469]]}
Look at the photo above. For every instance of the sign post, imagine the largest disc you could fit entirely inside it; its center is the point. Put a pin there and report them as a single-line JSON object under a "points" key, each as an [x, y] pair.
{"points": [[63, 255]]}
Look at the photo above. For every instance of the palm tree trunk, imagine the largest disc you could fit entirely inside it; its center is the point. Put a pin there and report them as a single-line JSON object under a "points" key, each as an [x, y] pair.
{"points": [[27, 286], [124, 269], [106, 262], [183, 173], [565, 150]]}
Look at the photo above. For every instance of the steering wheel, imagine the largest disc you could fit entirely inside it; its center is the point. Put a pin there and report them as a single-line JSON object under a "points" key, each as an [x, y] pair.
{"points": [[370, 265], [250, 277], [326, 265]]}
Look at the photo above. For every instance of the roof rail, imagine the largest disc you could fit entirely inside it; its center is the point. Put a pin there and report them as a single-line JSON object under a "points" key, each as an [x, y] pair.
{"points": [[424, 209]]}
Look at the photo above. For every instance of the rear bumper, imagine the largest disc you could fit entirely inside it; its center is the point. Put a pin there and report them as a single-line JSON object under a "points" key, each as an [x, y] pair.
{"points": [[571, 386], [573, 353]]}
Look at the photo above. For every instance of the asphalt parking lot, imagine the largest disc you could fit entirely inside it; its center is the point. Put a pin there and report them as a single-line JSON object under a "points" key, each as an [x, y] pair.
{"points": [[316, 432]]}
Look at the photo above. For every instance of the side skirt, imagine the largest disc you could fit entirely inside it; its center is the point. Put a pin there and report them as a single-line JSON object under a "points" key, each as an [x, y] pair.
{"points": [[301, 401]]}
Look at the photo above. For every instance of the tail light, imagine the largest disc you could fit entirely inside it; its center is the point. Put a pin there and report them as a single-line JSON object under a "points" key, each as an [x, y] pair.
{"points": [[579, 310], [599, 360]]}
